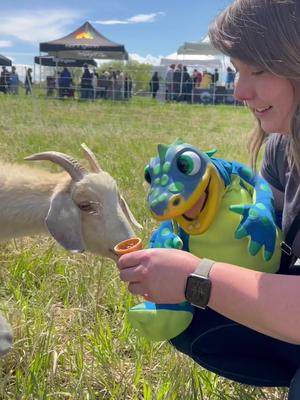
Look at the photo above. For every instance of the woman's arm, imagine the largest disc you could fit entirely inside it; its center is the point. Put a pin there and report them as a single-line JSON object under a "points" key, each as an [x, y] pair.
{"points": [[268, 303]]}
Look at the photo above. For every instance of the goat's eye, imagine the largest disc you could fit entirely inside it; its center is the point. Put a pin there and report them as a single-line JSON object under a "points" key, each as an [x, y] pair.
{"points": [[147, 174], [87, 206], [189, 163]]}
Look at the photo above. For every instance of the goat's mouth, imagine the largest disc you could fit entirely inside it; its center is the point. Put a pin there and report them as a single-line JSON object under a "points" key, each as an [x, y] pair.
{"points": [[112, 254]]}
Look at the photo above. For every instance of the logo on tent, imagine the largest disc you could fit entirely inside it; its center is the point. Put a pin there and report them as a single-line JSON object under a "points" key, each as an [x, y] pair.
{"points": [[83, 35]]}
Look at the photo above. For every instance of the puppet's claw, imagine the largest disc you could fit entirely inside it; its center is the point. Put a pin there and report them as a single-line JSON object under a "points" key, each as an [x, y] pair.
{"points": [[258, 223]]}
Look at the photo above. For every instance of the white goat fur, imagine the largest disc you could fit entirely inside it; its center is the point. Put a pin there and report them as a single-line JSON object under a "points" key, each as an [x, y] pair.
{"points": [[29, 196]]}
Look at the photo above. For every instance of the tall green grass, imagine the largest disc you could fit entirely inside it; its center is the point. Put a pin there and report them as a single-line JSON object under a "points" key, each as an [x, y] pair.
{"points": [[69, 313]]}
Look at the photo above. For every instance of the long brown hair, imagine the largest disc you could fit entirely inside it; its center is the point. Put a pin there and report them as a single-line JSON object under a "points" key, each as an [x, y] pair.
{"points": [[265, 33]]}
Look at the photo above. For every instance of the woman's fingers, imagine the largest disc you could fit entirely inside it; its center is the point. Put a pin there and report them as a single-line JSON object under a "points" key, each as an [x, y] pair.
{"points": [[133, 274], [130, 260], [136, 288], [147, 297]]}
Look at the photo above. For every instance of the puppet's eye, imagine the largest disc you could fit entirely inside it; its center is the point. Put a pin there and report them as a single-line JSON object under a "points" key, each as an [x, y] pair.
{"points": [[147, 174], [189, 163]]}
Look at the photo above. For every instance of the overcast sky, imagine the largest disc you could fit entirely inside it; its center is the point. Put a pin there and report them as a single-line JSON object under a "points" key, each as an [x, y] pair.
{"points": [[148, 29]]}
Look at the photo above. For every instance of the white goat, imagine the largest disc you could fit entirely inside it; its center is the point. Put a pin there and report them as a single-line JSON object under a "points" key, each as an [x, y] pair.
{"points": [[82, 210]]}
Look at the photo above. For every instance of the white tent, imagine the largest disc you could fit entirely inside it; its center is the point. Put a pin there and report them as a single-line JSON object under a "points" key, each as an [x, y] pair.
{"points": [[199, 61], [197, 54], [203, 47]]}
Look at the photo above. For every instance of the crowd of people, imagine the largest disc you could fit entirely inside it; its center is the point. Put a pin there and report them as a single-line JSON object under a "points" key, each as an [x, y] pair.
{"points": [[107, 84], [182, 85], [10, 82]]}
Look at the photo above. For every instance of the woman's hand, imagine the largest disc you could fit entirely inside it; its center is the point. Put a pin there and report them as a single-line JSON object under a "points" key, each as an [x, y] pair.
{"points": [[157, 274]]}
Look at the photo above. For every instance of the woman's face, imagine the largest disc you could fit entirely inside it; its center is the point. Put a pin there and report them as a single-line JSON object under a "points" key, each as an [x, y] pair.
{"points": [[269, 96]]}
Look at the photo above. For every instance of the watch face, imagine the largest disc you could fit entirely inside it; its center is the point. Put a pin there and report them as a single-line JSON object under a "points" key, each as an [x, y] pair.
{"points": [[198, 290]]}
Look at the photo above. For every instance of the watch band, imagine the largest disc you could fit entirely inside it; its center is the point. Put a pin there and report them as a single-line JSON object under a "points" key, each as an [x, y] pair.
{"points": [[204, 267]]}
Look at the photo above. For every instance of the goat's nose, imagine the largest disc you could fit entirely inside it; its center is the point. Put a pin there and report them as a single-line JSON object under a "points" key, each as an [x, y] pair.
{"points": [[6, 337]]}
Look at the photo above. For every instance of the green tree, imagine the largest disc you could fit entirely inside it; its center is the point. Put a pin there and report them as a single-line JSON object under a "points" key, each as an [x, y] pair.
{"points": [[139, 73]]}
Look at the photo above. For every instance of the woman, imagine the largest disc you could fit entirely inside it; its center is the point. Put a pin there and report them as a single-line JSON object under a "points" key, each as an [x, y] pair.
{"points": [[250, 331]]}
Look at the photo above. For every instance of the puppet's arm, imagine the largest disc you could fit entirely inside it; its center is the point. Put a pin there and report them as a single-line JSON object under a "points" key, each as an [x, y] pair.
{"points": [[258, 219], [165, 236]]}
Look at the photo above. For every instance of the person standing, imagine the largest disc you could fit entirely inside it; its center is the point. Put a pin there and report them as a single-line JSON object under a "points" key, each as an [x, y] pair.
{"points": [[14, 81], [102, 85], [154, 85], [86, 83], [169, 83], [177, 82], [206, 80], [28, 81], [230, 78], [215, 77], [95, 77], [127, 86], [187, 86], [197, 78], [4, 80], [119, 85], [64, 82]]}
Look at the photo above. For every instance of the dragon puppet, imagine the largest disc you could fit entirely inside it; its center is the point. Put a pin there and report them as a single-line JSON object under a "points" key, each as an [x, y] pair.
{"points": [[212, 208]]}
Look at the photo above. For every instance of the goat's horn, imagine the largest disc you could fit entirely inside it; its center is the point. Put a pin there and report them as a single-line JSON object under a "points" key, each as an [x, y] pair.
{"points": [[74, 169], [90, 156]]}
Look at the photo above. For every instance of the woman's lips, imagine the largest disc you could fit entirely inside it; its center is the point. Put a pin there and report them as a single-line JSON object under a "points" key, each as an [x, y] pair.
{"points": [[260, 112]]}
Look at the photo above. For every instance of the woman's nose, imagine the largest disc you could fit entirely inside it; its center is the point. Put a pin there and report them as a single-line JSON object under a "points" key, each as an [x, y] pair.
{"points": [[243, 90]]}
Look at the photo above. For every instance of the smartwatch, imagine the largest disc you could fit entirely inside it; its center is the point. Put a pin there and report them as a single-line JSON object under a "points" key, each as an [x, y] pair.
{"points": [[198, 284]]}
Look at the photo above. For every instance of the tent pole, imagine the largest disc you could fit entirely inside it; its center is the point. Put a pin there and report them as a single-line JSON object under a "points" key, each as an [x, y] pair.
{"points": [[40, 62], [55, 74], [34, 73]]}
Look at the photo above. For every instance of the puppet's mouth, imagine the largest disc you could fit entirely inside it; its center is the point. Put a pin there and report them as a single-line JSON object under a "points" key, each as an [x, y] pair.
{"points": [[194, 212], [203, 205]]}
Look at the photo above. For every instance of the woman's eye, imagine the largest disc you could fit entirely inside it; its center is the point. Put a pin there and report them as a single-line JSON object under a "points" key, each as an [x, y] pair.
{"points": [[189, 163], [257, 73]]}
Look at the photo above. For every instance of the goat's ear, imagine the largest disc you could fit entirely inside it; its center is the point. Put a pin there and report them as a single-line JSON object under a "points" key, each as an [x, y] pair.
{"points": [[64, 222], [128, 212]]}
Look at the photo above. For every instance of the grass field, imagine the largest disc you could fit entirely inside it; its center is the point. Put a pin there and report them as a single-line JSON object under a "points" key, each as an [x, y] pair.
{"points": [[68, 312]]}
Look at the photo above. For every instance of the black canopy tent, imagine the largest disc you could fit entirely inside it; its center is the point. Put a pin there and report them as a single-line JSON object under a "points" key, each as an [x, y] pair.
{"points": [[4, 61], [85, 43]]}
